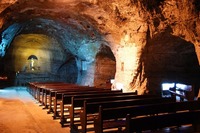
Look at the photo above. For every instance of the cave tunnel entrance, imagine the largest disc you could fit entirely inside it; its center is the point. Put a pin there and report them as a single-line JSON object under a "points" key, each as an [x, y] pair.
{"points": [[53, 39], [105, 67], [92, 64], [48, 52], [170, 59]]}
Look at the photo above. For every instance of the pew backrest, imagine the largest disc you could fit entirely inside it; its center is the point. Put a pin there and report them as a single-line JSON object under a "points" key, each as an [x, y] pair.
{"points": [[142, 110], [161, 121], [93, 107]]}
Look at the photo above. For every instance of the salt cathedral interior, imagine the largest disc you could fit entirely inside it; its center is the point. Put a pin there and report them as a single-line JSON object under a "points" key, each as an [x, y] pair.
{"points": [[53, 48]]}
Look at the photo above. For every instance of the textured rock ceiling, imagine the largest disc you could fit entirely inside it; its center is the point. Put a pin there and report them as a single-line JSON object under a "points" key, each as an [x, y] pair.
{"points": [[131, 28], [59, 21]]}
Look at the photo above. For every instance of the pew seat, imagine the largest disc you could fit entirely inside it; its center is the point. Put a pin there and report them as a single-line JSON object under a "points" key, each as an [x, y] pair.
{"points": [[91, 108], [162, 121], [114, 114]]}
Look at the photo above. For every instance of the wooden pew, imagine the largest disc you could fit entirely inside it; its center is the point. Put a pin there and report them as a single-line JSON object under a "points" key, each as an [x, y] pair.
{"points": [[56, 95], [119, 114], [32, 86], [91, 109], [162, 121], [41, 90], [78, 102], [66, 88], [38, 87], [70, 102], [80, 94]]}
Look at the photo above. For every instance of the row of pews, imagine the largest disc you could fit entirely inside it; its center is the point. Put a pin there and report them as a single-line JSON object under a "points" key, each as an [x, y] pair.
{"points": [[85, 108]]}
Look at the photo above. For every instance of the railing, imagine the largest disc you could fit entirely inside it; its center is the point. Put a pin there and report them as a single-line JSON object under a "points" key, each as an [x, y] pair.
{"points": [[23, 78]]}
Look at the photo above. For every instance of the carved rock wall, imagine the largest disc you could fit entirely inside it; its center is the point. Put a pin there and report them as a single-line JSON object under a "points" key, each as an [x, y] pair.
{"points": [[152, 41]]}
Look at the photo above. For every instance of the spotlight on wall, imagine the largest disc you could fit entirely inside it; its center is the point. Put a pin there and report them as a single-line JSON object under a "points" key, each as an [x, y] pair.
{"points": [[119, 86]]}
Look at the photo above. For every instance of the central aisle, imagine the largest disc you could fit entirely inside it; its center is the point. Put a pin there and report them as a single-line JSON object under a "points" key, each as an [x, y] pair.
{"points": [[20, 113]]}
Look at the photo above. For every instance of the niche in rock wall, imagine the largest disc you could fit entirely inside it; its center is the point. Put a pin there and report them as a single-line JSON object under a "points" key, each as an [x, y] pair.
{"points": [[32, 60], [105, 67], [169, 58]]}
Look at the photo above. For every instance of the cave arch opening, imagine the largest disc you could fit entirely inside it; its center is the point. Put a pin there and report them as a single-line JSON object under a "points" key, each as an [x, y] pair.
{"points": [[105, 67], [168, 60], [53, 49]]}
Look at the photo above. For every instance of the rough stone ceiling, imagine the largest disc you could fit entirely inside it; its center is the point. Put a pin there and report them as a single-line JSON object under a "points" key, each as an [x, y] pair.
{"points": [[100, 18], [63, 22], [127, 27]]}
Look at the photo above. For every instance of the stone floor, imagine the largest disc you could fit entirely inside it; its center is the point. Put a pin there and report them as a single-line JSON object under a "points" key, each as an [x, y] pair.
{"points": [[20, 113]]}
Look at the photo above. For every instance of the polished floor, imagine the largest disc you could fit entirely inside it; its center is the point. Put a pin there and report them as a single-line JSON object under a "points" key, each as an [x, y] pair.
{"points": [[20, 113]]}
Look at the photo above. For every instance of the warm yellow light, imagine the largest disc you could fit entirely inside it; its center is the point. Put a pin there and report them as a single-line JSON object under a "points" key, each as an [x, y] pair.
{"points": [[31, 44], [128, 55], [126, 38]]}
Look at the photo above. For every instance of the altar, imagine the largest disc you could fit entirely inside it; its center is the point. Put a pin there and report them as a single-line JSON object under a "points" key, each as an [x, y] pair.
{"points": [[22, 78]]}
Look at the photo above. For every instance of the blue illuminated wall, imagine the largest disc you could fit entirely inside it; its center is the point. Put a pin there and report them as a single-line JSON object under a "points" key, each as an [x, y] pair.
{"points": [[7, 37]]}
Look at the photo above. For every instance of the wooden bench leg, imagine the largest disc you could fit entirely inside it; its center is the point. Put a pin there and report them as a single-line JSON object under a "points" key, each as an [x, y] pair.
{"points": [[74, 129]]}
